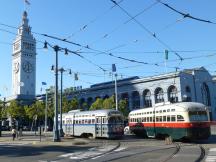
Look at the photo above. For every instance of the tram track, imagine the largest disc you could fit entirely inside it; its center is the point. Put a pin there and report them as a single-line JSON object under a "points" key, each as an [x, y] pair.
{"points": [[118, 144], [202, 155], [178, 147], [181, 146]]}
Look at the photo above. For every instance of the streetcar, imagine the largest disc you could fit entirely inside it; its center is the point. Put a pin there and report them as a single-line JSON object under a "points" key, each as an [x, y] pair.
{"points": [[185, 120], [95, 124]]}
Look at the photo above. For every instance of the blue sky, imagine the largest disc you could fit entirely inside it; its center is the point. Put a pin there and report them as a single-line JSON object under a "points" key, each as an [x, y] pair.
{"points": [[66, 18]]}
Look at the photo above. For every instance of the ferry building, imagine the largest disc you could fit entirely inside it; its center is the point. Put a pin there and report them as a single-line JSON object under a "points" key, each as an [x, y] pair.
{"points": [[195, 85]]}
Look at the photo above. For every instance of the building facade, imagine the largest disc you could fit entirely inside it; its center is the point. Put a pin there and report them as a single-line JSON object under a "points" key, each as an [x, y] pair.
{"points": [[24, 63], [188, 85]]}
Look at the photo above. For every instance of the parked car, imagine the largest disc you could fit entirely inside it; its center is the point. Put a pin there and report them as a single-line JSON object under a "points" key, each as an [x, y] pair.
{"points": [[127, 130]]}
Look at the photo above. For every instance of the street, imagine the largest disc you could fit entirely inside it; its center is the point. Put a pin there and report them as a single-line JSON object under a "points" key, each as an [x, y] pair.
{"points": [[130, 148]]}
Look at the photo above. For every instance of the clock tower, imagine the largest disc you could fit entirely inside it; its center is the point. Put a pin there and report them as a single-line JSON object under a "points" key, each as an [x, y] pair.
{"points": [[24, 62]]}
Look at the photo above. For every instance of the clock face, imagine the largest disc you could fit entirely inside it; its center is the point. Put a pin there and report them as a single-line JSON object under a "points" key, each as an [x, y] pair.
{"points": [[16, 67], [27, 67]]}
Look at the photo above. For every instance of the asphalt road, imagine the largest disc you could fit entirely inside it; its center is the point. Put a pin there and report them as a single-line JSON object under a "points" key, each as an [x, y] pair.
{"points": [[29, 148]]}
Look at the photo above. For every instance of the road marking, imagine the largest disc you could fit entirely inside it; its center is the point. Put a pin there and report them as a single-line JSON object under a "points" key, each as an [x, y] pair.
{"points": [[120, 149], [13, 144], [211, 155]]}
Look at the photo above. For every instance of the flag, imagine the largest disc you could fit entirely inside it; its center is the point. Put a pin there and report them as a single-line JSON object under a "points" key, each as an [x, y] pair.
{"points": [[44, 83], [27, 2]]}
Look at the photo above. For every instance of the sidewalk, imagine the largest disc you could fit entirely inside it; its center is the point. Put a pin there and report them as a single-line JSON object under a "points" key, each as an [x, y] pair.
{"points": [[44, 139]]}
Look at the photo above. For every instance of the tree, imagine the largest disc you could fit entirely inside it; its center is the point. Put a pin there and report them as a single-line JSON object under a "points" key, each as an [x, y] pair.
{"points": [[122, 106], [15, 110], [109, 103], [35, 111], [74, 104], [65, 105], [98, 104], [84, 106]]}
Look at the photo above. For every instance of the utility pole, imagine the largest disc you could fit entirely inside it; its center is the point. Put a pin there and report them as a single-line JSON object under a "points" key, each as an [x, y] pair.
{"points": [[56, 137], [45, 129], [116, 92], [61, 130]]}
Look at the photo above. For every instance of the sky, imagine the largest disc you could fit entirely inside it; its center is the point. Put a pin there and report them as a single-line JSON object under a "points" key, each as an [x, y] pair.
{"points": [[105, 34]]}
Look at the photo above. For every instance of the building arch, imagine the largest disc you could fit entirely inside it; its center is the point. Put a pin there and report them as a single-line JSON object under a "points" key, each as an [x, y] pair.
{"points": [[187, 96], [135, 100], [106, 96], [205, 94], [172, 94], [89, 101], [147, 98], [81, 102], [159, 95]]}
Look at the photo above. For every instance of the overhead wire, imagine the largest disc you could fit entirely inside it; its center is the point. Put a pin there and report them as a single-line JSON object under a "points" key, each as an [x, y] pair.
{"points": [[185, 15], [146, 29], [92, 21], [125, 22]]}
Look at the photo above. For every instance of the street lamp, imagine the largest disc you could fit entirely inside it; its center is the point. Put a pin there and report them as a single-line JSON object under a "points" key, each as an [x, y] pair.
{"points": [[116, 93], [61, 70], [61, 130], [56, 137], [45, 120]]}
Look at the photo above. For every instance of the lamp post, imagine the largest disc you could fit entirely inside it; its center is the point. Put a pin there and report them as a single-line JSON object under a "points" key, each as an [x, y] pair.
{"points": [[45, 124], [116, 93], [56, 137], [61, 130]]}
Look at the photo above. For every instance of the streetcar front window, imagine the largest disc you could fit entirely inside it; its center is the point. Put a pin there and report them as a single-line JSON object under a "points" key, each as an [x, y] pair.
{"points": [[115, 120], [198, 116]]}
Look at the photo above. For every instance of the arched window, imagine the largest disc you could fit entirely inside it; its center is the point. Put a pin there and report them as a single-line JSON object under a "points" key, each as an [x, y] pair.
{"points": [[172, 94], [187, 96], [206, 94], [106, 96], [89, 101], [159, 95], [187, 89], [147, 98], [81, 102], [136, 100]]}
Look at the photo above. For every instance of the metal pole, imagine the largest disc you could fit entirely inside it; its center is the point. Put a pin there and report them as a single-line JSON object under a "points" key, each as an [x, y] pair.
{"points": [[116, 93], [61, 130], [45, 129], [56, 137]]}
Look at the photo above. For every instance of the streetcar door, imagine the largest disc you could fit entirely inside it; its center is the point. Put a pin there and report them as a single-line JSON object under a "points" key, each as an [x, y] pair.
{"points": [[67, 126], [98, 126], [150, 131]]}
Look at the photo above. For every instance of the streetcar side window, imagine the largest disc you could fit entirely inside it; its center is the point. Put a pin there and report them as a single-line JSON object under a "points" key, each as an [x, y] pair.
{"points": [[98, 120], [104, 120], [180, 118], [173, 118], [168, 118], [164, 118], [93, 121], [150, 119]]}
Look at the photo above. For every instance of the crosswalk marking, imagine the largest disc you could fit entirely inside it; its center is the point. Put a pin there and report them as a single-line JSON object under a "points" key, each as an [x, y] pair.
{"points": [[211, 155]]}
